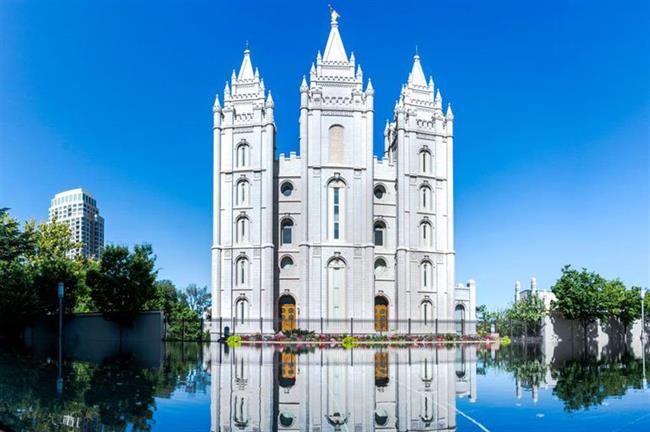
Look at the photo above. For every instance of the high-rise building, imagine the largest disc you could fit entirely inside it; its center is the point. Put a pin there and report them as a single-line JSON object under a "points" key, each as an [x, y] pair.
{"points": [[78, 209], [336, 233]]}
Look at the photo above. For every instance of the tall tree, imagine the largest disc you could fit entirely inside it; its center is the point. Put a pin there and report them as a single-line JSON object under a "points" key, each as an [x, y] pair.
{"points": [[529, 311], [123, 282], [198, 298], [579, 296]]}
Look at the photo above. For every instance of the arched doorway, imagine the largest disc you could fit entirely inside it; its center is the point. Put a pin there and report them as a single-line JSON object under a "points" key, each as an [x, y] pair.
{"points": [[381, 314], [287, 306]]}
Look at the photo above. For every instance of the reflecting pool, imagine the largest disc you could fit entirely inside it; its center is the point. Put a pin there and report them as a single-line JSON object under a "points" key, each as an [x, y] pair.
{"points": [[193, 387]]}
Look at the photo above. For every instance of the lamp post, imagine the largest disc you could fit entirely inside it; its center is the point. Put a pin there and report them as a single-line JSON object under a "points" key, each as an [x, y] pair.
{"points": [[643, 337], [59, 379]]}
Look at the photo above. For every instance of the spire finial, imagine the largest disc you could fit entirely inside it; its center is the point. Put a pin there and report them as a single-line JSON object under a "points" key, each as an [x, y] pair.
{"points": [[334, 16], [417, 53], [246, 47]]}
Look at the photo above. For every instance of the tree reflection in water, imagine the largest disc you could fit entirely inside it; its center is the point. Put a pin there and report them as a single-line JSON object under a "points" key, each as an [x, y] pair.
{"points": [[582, 384], [116, 395]]}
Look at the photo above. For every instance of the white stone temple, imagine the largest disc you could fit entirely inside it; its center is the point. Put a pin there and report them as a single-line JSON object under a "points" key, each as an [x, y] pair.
{"points": [[335, 239]]}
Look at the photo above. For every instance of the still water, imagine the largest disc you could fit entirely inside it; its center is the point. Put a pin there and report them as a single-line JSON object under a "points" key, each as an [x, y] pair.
{"points": [[192, 387]]}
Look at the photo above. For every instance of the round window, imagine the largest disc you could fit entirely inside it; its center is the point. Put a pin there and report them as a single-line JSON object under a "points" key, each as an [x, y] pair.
{"points": [[286, 419], [286, 189], [380, 191], [381, 417], [286, 263]]}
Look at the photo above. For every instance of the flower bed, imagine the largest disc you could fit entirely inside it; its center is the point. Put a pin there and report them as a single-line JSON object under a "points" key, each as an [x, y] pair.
{"points": [[309, 337]]}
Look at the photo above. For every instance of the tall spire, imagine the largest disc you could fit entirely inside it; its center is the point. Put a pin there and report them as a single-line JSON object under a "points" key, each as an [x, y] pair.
{"points": [[246, 69], [334, 50], [417, 74]]}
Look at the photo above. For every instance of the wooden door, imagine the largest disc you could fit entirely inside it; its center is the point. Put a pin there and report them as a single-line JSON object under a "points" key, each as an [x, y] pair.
{"points": [[381, 318], [288, 316]]}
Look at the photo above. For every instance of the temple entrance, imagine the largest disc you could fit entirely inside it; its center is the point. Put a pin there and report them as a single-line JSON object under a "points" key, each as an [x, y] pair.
{"points": [[288, 314], [381, 314]]}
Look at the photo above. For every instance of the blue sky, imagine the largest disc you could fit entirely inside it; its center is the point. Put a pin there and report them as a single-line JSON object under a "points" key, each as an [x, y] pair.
{"points": [[552, 103]]}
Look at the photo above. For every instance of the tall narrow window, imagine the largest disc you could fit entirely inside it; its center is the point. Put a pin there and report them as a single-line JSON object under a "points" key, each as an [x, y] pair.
{"points": [[336, 148], [425, 162], [336, 211], [286, 231], [425, 198], [427, 312], [459, 317], [380, 231], [242, 155], [427, 275], [241, 272], [426, 235], [242, 193], [336, 294], [242, 230], [241, 311]]}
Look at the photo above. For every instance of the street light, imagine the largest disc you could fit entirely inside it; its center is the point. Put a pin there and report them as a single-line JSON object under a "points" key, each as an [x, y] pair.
{"points": [[59, 380]]}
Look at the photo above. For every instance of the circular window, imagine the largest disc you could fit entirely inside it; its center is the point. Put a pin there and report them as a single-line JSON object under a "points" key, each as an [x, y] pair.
{"points": [[286, 419], [380, 266], [381, 417], [286, 263], [286, 189], [380, 191]]}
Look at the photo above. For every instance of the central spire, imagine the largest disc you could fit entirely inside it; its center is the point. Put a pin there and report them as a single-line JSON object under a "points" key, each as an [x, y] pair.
{"points": [[246, 69], [334, 50], [417, 74]]}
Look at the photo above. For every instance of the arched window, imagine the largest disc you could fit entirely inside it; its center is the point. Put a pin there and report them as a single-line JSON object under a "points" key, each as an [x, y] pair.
{"points": [[426, 234], [336, 148], [242, 230], [241, 311], [241, 272], [242, 192], [286, 263], [459, 317], [425, 198], [380, 233], [243, 155], [336, 292], [425, 161], [380, 266], [426, 270], [426, 315], [336, 209], [286, 231], [460, 366]]}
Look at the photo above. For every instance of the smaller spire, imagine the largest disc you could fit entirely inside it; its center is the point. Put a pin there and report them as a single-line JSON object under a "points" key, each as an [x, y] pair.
{"points": [[257, 73], [450, 113], [217, 104], [319, 57], [233, 77], [370, 89], [352, 58], [269, 100], [359, 72], [387, 125], [303, 84], [226, 91], [430, 82], [437, 103]]}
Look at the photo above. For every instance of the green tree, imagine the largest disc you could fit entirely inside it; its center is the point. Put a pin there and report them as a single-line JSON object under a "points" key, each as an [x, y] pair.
{"points": [[123, 282], [164, 299], [198, 298], [14, 243], [53, 241], [528, 311], [579, 296]]}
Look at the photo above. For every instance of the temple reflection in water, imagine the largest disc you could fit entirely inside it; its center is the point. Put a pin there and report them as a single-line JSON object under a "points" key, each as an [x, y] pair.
{"points": [[395, 389]]}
